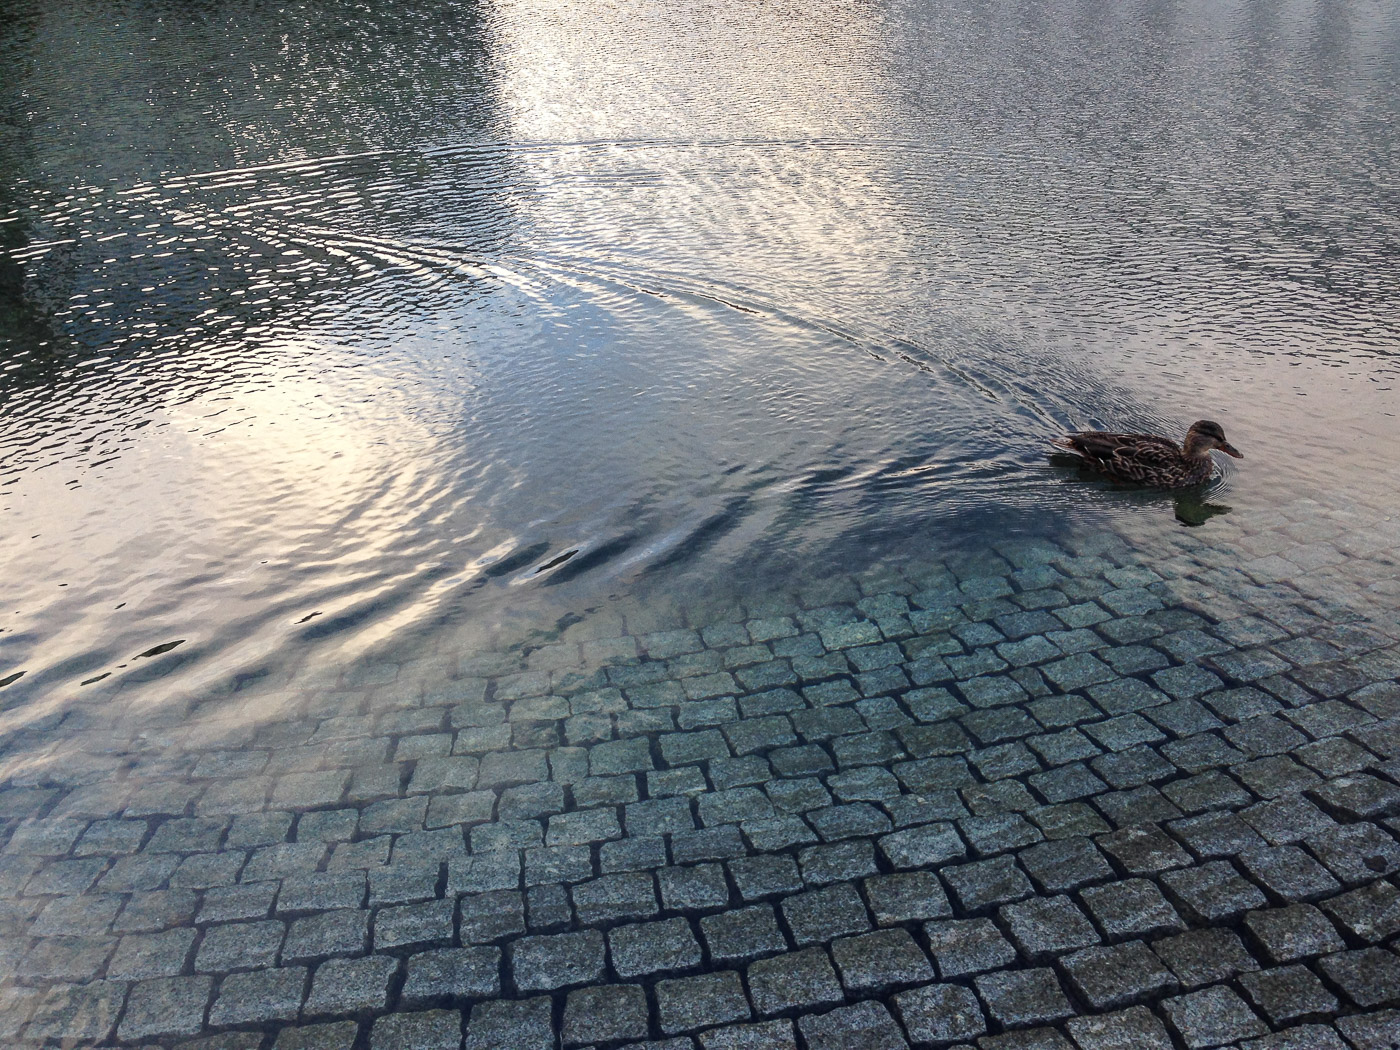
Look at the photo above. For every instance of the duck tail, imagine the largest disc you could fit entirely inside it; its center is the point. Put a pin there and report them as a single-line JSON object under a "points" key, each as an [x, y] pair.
{"points": [[1067, 443]]}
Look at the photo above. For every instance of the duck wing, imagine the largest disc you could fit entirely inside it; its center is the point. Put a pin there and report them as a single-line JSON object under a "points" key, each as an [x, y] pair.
{"points": [[1129, 457]]}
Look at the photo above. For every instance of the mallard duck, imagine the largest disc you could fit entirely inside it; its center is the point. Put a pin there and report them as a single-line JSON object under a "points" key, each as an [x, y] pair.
{"points": [[1150, 460]]}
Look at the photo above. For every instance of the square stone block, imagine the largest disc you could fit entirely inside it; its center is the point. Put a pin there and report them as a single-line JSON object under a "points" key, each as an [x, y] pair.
{"points": [[906, 896], [880, 960], [965, 946], [1131, 908], [605, 1014], [1290, 993], [1212, 1017], [798, 980], [423, 1030], [1369, 977], [688, 1003], [745, 933], [1294, 932], [1046, 926], [1020, 998], [1110, 977], [457, 973], [350, 986], [653, 947], [1132, 1029], [863, 1026], [549, 962], [259, 997]]}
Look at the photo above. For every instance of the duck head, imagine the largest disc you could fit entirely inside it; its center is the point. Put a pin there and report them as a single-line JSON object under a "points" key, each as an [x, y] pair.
{"points": [[1204, 436]]}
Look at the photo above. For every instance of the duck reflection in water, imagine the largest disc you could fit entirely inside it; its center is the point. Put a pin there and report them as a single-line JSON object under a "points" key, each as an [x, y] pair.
{"points": [[1192, 509]]}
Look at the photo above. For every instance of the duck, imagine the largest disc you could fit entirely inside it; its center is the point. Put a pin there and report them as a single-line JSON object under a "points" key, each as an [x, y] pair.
{"points": [[1146, 459]]}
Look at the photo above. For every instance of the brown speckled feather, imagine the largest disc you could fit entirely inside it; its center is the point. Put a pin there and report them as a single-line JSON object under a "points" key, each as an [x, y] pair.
{"points": [[1140, 458]]}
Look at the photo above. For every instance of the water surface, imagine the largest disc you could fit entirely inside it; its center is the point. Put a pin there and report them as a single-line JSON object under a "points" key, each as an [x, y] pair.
{"points": [[328, 326]]}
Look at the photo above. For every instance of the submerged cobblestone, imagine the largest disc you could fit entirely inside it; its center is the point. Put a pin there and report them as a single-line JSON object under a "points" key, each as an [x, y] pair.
{"points": [[1043, 796]]}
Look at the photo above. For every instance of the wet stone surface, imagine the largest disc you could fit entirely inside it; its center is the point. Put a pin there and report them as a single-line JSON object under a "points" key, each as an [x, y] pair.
{"points": [[1033, 796]]}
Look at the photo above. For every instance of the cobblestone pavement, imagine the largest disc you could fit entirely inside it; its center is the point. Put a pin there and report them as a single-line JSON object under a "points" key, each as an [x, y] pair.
{"points": [[1041, 796]]}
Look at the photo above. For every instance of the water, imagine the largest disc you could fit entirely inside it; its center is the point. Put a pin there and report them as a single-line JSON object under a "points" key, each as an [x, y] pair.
{"points": [[332, 327]]}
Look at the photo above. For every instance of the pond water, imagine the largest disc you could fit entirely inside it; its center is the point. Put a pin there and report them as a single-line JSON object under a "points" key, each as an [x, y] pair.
{"points": [[328, 327]]}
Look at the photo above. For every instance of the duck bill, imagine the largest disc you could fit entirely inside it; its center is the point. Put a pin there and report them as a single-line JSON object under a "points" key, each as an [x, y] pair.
{"points": [[1230, 450]]}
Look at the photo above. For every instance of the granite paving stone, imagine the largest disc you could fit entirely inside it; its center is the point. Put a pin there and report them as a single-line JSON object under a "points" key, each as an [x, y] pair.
{"points": [[544, 963], [1047, 926], [1161, 778], [837, 862], [1213, 893], [610, 898], [1137, 806], [1020, 998], [1370, 914], [1289, 873], [687, 1003], [984, 885], [693, 888], [1133, 1029], [157, 910], [1378, 1030], [348, 986], [605, 1014], [819, 916], [1300, 1037], [482, 918], [341, 932], [1201, 957], [966, 946], [861, 1026], [1369, 977], [67, 958], [744, 933], [922, 847], [1288, 994], [168, 1006], [428, 1030], [259, 996], [940, 1014], [1065, 864], [1212, 1017], [1117, 975], [429, 924], [765, 876], [796, 980], [1286, 820], [760, 1035], [230, 903], [1294, 932], [1025, 1039], [75, 1015], [1355, 853], [653, 947], [139, 956], [1131, 908], [905, 897], [457, 973], [879, 961]]}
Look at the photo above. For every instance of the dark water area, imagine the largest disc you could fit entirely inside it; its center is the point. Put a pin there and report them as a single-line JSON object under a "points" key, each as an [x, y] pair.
{"points": [[325, 325]]}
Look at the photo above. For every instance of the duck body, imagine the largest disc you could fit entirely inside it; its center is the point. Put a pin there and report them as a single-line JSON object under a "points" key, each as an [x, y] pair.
{"points": [[1146, 459]]}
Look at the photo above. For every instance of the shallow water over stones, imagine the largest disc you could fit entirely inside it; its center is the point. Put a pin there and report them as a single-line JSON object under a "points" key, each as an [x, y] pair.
{"points": [[528, 526], [1049, 791]]}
